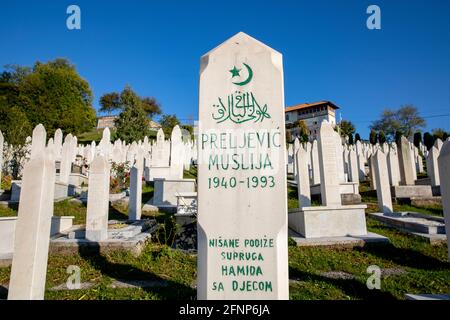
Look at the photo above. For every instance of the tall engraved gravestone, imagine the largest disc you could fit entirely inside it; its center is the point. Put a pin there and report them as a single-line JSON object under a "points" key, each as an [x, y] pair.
{"points": [[242, 207]]}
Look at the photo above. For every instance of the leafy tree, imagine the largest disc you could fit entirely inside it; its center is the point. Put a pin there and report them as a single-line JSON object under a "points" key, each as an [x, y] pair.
{"points": [[405, 120], [168, 122], [14, 124], [51, 93], [346, 128], [381, 137], [398, 136], [114, 101], [373, 137], [151, 106], [357, 137], [288, 136], [132, 124], [428, 140], [110, 102], [439, 133], [302, 129], [417, 139]]}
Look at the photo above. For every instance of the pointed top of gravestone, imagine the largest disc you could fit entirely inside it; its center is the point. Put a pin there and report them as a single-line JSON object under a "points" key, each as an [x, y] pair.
{"points": [[68, 138], [160, 135], [39, 133], [326, 128], [38, 141], [239, 39], [403, 141], [58, 135], [106, 134], [438, 144], [176, 134]]}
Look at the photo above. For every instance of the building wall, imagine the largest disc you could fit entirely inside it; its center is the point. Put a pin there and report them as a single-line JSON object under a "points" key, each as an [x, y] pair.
{"points": [[312, 119], [106, 122]]}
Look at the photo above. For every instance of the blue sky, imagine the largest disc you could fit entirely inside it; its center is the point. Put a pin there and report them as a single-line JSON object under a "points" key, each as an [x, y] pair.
{"points": [[329, 54]]}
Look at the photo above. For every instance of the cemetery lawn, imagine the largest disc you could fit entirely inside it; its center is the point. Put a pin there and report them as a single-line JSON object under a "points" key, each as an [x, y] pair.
{"points": [[71, 207], [93, 135], [8, 211], [409, 264]]}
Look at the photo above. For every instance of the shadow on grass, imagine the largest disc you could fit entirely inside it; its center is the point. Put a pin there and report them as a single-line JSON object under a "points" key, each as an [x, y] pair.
{"points": [[3, 293], [350, 287], [405, 257], [147, 193], [115, 214], [121, 271]]}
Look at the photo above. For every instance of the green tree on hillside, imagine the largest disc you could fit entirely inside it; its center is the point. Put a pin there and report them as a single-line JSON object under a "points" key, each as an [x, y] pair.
{"points": [[115, 101], [439, 133], [302, 129], [168, 122], [373, 138], [51, 93], [417, 139], [381, 137], [347, 128], [110, 102], [132, 123], [405, 121], [428, 140]]}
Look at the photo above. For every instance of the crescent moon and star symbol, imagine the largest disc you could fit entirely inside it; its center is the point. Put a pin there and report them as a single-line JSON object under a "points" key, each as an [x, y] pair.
{"points": [[240, 106], [236, 73]]}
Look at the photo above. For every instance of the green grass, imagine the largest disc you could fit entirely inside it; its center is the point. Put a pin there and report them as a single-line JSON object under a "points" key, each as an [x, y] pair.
{"points": [[293, 202], [147, 193], [369, 197], [70, 208], [420, 267], [8, 211], [158, 263], [191, 174], [425, 267]]}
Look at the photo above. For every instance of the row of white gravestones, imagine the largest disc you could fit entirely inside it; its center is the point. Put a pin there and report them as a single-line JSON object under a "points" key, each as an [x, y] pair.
{"points": [[444, 177], [31, 243]]}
